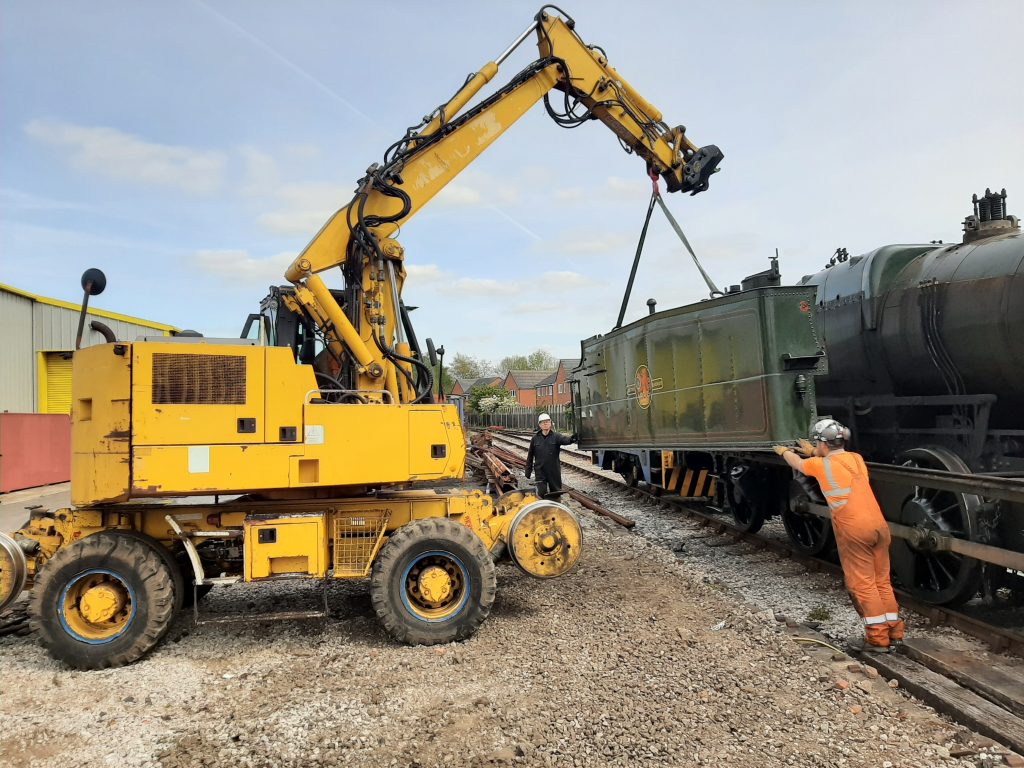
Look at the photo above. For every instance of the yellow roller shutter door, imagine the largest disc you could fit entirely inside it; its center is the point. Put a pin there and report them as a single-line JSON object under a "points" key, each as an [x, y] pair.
{"points": [[58, 383]]}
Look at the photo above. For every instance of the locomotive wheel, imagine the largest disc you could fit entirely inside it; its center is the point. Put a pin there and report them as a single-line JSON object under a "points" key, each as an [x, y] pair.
{"points": [[748, 496], [942, 578], [812, 535], [433, 582], [103, 601], [631, 473]]}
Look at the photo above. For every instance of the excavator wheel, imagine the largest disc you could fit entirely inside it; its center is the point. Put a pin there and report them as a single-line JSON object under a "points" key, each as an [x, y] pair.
{"points": [[433, 582], [103, 601], [182, 587]]}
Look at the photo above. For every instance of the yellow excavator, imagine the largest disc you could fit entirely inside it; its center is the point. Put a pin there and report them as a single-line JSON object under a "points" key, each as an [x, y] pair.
{"points": [[335, 459]]}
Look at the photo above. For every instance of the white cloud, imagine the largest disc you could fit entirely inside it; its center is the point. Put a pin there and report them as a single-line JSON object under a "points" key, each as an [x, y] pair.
{"points": [[474, 188], [613, 188], [590, 243], [121, 156], [261, 173], [240, 265], [305, 207], [627, 189], [565, 279], [302, 151], [455, 195], [537, 307], [423, 274], [564, 282], [481, 287], [569, 194], [293, 222]]}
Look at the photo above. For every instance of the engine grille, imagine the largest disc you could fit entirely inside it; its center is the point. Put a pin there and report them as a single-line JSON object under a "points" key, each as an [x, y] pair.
{"points": [[183, 379]]}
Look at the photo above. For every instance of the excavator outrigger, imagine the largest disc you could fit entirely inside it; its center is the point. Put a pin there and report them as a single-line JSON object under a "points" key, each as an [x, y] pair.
{"points": [[341, 469]]}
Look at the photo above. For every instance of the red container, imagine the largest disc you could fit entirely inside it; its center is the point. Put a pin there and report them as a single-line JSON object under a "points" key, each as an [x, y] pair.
{"points": [[35, 449]]}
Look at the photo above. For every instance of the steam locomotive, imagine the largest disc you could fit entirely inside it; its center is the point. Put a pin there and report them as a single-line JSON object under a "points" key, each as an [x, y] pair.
{"points": [[925, 354]]}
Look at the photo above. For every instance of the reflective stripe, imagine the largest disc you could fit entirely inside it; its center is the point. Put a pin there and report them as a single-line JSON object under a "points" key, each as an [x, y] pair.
{"points": [[869, 620], [892, 617], [834, 490], [825, 461]]}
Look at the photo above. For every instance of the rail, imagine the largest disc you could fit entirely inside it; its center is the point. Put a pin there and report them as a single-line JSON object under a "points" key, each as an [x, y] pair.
{"points": [[998, 638]]}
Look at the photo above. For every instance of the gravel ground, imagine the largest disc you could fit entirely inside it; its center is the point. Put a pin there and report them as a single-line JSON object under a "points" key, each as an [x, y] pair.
{"points": [[636, 658]]}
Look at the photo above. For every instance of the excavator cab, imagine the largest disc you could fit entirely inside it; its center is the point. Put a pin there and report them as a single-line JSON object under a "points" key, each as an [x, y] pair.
{"points": [[278, 324]]}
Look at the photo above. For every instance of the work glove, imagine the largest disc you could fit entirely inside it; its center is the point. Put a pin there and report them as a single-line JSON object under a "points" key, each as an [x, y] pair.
{"points": [[780, 449], [574, 438], [804, 448]]}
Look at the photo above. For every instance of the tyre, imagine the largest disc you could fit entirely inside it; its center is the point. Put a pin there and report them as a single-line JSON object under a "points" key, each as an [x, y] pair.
{"points": [[188, 577], [433, 582], [103, 601], [182, 587]]}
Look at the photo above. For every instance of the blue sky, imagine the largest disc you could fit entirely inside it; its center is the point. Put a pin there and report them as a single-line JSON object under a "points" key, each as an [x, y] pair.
{"points": [[190, 150]]}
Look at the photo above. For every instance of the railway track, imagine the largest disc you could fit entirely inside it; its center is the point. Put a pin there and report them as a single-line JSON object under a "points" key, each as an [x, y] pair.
{"points": [[1000, 639], [984, 695]]}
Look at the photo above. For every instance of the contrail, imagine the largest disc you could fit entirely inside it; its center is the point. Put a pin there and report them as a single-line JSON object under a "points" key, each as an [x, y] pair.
{"points": [[515, 223], [286, 61]]}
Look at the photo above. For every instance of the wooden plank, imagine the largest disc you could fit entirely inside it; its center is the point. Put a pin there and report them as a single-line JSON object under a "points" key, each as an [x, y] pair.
{"points": [[1000, 683], [946, 696]]}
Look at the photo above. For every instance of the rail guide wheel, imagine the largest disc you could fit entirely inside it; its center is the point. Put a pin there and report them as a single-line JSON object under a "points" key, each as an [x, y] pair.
{"points": [[545, 539], [13, 571], [942, 578]]}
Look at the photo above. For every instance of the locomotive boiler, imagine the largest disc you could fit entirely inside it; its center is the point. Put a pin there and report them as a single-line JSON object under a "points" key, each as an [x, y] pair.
{"points": [[924, 349], [926, 352]]}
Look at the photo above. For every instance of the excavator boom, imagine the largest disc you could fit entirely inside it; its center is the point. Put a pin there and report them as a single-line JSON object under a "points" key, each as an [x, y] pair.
{"points": [[358, 237]]}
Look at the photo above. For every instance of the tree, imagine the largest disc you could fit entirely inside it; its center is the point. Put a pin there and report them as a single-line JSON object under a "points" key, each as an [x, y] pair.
{"points": [[449, 382], [493, 403], [468, 367], [514, 363], [539, 360], [542, 360], [489, 399]]}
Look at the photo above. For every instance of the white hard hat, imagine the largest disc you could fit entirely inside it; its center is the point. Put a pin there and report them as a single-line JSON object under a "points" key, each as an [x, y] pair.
{"points": [[543, 417], [829, 431]]}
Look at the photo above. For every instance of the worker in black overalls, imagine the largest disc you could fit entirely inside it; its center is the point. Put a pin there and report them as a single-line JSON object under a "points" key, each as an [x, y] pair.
{"points": [[544, 449]]}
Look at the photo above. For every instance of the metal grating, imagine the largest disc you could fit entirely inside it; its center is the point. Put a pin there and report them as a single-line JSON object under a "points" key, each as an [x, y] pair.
{"points": [[357, 538], [183, 379]]}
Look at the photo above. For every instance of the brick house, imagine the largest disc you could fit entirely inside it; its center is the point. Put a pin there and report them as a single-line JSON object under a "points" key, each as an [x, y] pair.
{"points": [[554, 390], [465, 386], [522, 385], [545, 390], [461, 386]]}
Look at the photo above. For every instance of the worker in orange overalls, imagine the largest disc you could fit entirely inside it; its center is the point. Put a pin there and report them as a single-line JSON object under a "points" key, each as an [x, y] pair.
{"points": [[862, 535]]}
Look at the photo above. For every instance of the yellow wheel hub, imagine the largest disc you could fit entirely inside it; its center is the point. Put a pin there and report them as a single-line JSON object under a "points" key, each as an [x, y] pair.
{"points": [[435, 585], [97, 607], [101, 602]]}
